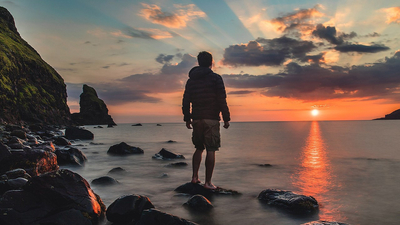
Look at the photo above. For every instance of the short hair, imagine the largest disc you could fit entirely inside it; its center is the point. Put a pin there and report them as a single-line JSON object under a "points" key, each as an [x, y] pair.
{"points": [[205, 59]]}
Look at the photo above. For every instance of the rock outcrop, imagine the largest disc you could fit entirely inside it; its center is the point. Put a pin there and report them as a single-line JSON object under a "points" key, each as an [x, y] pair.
{"points": [[93, 110], [194, 189], [289, 201], [395, 115], [31, 90], [124, 149]]}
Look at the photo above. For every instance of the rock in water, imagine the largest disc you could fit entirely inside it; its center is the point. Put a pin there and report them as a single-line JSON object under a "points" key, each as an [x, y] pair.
{"points": [[105, 180], [193, 189], [156, 217], [199, 203], [49, 194], [290, 201], [93, 110], [323, 223], [165, 154], [128, 208], [73, 133], [124, 149], [32, 91], [71, 156]]}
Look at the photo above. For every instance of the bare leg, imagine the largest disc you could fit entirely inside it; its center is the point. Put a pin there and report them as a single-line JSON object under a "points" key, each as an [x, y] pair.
{"points": [[196, 160], [210, 163]]}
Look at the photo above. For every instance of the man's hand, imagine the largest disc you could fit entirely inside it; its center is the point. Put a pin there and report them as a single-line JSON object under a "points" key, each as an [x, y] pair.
{"points": [[189, 124], [226, 124]]}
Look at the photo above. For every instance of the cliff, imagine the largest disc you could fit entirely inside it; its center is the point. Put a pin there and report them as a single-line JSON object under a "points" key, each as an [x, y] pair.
{"points": [[395, 115], [93, 110], [30, 89]]}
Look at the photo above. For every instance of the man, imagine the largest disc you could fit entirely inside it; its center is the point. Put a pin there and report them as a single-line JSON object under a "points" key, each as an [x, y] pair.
{"points": [[205, 91]]}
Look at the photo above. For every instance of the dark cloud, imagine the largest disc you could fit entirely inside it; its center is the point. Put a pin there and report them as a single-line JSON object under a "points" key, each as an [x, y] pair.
{"points": [[268, 52], [135, 33], [329, 33], [313, 82], [140, 87], [240, 92], [111, 93], [161, 58], [348, 47]]}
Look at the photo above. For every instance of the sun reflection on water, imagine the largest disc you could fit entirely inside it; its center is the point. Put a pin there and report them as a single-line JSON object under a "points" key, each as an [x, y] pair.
{"points": [[314, 176]]}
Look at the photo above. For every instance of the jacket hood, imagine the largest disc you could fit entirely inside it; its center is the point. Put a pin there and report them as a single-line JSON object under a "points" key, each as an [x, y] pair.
{"points": [[199, 72]]}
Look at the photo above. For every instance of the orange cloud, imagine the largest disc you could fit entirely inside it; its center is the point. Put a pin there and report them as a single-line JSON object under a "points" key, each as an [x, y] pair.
{"points": [[178, 19], [298, 20], [393, 15]]}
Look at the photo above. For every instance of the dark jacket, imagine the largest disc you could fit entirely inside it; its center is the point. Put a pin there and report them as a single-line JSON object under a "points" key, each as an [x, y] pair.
{"points": [[206, 91]]}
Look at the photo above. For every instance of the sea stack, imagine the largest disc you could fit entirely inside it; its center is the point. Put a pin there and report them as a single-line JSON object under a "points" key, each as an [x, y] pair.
{"points": [[93, 110]]}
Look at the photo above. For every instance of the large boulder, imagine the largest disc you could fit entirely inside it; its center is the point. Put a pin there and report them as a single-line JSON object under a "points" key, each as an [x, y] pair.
{"points": [[93, 110], [124, 149], [156, 217], [34, 161], [166, 155], [51, 194], [31, 90], [199, 203], [70, 156], [73, 133], [128, 208], [289, 201], [194, 189], [104, 180]]}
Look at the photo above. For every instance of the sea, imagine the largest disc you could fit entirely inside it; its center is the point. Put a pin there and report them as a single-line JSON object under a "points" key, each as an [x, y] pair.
{"points": [[352, 168]]}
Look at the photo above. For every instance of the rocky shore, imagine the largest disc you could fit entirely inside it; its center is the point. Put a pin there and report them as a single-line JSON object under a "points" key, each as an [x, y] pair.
{"points": [[34, 190]]}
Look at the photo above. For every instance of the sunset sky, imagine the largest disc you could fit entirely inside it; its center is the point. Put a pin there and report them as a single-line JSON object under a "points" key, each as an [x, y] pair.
{"points": [[279, 59]]}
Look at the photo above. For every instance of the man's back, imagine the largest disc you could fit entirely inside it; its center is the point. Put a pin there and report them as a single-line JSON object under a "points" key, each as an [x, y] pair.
{"points": [[206, 91]]}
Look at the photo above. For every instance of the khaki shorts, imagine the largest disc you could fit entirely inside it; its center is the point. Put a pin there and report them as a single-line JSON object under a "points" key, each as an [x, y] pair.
{"points": [[206, 135]]}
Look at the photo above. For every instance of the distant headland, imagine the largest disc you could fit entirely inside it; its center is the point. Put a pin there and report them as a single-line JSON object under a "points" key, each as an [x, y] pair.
{"points": [[395, 115]]}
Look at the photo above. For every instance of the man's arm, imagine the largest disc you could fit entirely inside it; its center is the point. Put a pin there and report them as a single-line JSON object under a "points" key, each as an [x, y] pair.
{"points": [[186, 106], [221, 98]]}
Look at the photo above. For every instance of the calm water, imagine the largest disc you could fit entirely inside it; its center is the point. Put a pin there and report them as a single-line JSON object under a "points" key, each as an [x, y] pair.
{"points": [[351, 167]]}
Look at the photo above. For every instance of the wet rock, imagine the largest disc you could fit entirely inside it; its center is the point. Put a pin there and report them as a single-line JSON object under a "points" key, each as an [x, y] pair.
{"points": [[110, 126], [128, 208], [137, 125], [124, 149], [67, 217], [98, 127], [73, 133], [12, 174], [178, 164], [105, 180], [16, 143], [156, 217], [265, 165], [193, 189], [324, 223], [61, 141], [71, 156], [4, 152], [19, 133], [166, 155], [46, 146], [199, 203], [32, 140], [159, 125], [290, 201], [17, 182], [171, 141], [46, 195], [117, 170], [93, 143], [33, 161]]}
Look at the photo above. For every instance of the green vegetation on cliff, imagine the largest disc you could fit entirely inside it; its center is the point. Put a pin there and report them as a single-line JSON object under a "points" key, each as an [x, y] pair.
{"points": [[30, 89]]}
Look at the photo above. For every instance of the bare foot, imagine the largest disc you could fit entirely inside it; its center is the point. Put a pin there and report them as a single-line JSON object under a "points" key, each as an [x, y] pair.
{"points": [[195, 181], [210, 186]]}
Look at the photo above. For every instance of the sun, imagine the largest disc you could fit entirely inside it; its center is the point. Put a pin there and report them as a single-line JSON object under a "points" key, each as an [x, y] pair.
{"points": [[315, 112]]}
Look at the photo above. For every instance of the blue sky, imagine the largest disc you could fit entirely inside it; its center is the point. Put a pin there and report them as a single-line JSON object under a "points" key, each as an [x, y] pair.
{"points": [[279, 59]]}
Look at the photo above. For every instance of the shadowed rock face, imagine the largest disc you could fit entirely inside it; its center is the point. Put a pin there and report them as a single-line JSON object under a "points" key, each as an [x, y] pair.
{"points": [[93, 110], [31, 90], [290, 201]]}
